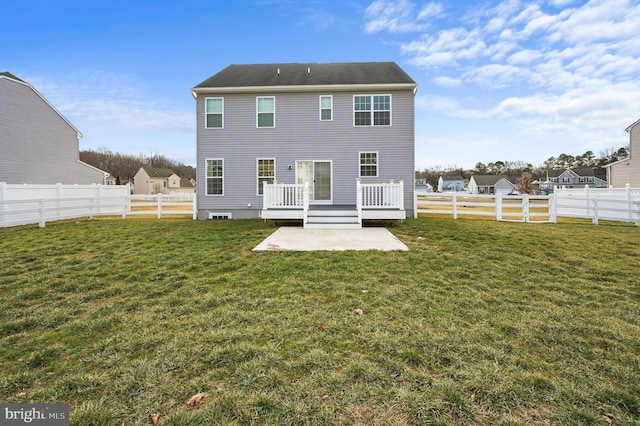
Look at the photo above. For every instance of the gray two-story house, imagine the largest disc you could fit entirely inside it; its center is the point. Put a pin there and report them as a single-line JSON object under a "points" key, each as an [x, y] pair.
{"points": [[324, 143], [38, 145]]}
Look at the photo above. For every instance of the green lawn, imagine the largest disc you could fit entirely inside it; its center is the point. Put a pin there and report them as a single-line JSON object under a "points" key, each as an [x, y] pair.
{"points": [[481, 322]]}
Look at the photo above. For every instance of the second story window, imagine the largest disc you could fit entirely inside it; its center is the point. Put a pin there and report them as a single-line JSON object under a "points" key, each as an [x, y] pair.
{"points": [[326, 108], [372, 110], [266, 111], [214, 113]]}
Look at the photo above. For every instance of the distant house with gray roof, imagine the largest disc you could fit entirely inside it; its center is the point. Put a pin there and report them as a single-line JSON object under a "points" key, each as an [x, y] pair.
{"points": [[152, 180], [491, 184], [575, 178], [38, 145]]}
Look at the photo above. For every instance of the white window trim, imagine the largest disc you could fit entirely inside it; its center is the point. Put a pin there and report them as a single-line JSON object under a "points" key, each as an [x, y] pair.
{"points": [[360, 164], [274, 111], [372, 111], [206, 113], [206, 160], [331, 108], [258, 176]]}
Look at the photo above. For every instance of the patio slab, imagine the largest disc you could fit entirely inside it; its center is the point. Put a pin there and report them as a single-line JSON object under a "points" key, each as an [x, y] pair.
{"points": [[300, 239]]}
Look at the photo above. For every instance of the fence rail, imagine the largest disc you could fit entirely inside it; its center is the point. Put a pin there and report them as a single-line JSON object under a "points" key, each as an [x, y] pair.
{"points": [[595, 204], [31, 204]]}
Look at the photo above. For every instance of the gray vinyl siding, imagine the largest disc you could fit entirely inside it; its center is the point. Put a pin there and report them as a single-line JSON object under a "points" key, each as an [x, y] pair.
{"points": [[299, 134], [37, 145]]}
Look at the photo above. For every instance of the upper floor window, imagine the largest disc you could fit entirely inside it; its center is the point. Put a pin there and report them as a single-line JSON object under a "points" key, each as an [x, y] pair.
{"points": [[214, 113], [326, 108], [372, 110], [215, 176], [368, 164], [266, 111]]}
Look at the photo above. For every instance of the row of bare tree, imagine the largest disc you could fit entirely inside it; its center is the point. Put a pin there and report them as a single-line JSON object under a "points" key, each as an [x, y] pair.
{"points": [[124, 167]]}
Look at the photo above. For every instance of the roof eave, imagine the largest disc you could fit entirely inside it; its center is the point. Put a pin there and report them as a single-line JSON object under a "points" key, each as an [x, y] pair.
{"points": [[304, 88]]}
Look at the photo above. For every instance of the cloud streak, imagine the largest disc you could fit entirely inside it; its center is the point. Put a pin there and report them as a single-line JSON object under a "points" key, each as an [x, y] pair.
{"points": [[563, 65]]}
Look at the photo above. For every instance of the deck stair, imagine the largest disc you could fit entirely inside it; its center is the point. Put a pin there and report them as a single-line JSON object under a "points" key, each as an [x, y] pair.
{"points": [[332, 217]]}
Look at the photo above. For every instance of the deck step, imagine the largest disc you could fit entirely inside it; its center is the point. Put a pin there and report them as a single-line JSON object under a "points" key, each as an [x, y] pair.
{"points": [[331, 225], [332, 219]]}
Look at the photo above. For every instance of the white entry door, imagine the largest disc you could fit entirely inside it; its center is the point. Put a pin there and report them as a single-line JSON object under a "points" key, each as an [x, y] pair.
{"points": [[318, 174]]}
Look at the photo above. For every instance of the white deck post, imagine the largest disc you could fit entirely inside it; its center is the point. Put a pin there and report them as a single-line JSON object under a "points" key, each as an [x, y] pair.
{"points": [[359, 200], [401, 198], [305, 202]]}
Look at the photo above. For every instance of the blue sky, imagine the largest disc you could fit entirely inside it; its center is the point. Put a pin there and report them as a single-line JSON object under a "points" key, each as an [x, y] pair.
{"points": [[497, 80]]}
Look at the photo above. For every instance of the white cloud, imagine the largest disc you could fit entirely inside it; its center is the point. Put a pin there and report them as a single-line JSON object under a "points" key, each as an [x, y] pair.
{"points": [[445, 81], [564, 70], [396, 16]]}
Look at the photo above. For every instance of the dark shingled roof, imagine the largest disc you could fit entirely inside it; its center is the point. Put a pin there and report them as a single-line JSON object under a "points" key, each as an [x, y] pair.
{"points": [[308, 74], [8, 74], [488, 180]]}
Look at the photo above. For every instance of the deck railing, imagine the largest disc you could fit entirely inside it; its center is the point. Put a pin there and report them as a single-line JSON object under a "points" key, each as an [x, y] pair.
{"points": [[381, 195], [368, 196], [282, 196]]}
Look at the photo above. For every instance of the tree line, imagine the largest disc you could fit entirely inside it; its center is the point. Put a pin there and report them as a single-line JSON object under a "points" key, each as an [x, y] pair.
{"points": [[518, 168], [124, 167]]}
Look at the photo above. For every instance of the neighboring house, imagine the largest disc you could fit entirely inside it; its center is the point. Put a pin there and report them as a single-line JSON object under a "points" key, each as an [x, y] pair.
{"points": [[450, 183], [38, 145], [575, 178], [151, 180], [330, 125], [422, 185], [627, 171], [491, 184]]}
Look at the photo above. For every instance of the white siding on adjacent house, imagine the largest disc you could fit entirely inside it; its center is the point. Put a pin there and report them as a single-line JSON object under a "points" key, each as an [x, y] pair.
{"points": [[37, 144], [299, 134], [627, 171]]}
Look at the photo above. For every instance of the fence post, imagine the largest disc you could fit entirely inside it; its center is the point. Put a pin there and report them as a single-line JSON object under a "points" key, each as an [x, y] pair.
{"points": [[3, 197], [42, 213], [159, 194], [627, 188], [553, 208], [498, 199], [525, 207], [58, 198], [587, 201], [195, 207], [454, 205], [92, 202], [595, 211]]}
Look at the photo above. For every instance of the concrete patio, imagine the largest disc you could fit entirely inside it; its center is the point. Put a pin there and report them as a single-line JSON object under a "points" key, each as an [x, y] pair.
{"points": [[301, 239]]}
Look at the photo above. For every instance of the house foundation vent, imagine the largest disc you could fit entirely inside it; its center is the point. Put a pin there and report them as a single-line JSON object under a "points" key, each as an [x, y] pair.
{"points": [[219, 216]]}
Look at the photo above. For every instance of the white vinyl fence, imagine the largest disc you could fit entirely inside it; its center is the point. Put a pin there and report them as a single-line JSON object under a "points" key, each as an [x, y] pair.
{"points": [[29, 204], [619, 204]]}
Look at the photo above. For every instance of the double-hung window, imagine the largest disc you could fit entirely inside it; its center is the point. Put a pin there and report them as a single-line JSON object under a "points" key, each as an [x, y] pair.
{"points": [[326, 108], [214, 113], [265, 111], [266, 172], [372, 110], [215, 176], [368, 164]]}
